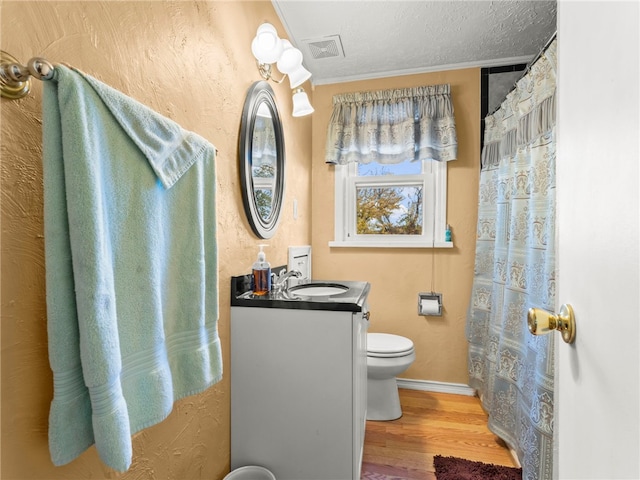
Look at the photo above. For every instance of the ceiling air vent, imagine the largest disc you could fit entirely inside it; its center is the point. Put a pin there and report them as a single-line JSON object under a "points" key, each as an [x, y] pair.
{"points": [[325, 47]]}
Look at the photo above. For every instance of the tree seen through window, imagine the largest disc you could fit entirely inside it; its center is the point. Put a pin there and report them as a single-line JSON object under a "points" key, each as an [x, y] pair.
{"points": [[389, 210]]}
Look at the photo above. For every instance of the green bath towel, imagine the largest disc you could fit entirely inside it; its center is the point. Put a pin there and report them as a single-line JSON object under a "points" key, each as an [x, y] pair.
{"points": [[131, 266]]}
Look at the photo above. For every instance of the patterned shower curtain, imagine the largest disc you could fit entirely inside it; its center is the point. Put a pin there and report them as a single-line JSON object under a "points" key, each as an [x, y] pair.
{"points": [[511, 369]]}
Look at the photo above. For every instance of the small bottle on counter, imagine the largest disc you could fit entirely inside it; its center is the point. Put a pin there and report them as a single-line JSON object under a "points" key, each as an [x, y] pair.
{"points": [[261, 274], [447, 234]]}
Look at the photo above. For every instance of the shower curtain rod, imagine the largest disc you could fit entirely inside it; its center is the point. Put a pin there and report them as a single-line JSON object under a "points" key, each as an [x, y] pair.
{"points": [[15, 78], [527, 68], [541, 52]]}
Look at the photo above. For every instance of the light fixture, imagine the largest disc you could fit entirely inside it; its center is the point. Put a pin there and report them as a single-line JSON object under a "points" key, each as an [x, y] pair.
{"points": [[290, 63], [301, 104], [268, 49], [266, 46]]}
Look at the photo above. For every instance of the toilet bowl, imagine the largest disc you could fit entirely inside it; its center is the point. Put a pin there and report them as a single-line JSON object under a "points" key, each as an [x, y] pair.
{"points": [[387, 356]]}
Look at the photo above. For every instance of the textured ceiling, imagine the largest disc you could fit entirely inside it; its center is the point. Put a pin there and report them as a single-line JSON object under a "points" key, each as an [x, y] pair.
{"points": [[397, 37]]}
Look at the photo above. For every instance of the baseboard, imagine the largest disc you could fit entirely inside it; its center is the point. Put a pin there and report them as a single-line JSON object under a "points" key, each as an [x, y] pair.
{"points": [[514, 456], [438, 387]]}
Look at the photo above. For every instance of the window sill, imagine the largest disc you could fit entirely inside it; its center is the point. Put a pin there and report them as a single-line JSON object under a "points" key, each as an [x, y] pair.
{"points": [[375, 244]]}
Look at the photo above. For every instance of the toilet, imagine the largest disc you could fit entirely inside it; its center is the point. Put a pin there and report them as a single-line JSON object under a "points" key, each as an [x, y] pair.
{"points": [[387, 356]]}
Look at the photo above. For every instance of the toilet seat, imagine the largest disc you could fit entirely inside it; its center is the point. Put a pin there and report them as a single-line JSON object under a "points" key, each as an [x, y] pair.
{"points": [[383, 345]]}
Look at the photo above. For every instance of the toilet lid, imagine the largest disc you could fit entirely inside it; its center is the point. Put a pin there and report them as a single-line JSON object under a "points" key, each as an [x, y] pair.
{"points": [[388, 345]]}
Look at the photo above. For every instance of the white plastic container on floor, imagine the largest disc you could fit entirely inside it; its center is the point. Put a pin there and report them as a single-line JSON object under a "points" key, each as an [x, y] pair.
{"points": [[250, 472]]}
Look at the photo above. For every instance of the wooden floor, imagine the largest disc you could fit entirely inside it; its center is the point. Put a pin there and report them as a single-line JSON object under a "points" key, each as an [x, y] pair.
{"points": [[431, 424]]}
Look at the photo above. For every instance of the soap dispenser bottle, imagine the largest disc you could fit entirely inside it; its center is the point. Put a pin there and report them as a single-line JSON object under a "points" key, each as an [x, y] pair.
{"points": [[261, 274]]}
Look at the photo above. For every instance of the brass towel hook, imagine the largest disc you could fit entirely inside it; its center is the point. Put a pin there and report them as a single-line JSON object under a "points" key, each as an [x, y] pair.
{"points": [[542, 322]]}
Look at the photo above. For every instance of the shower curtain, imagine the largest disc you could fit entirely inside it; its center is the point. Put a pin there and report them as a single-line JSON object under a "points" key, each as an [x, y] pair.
{"points": [[511, 369]]}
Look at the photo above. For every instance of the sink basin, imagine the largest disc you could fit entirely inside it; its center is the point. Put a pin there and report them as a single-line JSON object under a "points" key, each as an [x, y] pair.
{"points": [[317, 289]]}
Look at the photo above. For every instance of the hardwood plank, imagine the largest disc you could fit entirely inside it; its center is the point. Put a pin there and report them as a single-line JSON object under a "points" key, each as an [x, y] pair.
{"points": [[431, 424]]}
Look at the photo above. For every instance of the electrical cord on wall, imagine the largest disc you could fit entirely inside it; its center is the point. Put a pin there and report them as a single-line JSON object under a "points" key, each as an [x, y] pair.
{"points": [[433, 233]]}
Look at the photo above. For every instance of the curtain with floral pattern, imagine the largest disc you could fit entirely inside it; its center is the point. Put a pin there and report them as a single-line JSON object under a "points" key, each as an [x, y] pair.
{"points": [[392, 126], [515, 269]]}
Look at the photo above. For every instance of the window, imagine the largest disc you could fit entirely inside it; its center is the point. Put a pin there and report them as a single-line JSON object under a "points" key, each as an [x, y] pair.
{"points": [[397, 205], [264, 179], [390, 149]]}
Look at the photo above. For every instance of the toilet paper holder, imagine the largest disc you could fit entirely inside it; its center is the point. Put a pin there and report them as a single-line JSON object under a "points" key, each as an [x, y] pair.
{"points": [[430, 304]]}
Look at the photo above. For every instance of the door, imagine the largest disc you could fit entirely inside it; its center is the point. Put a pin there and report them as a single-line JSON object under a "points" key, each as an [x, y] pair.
{"points": [[597, 408]]}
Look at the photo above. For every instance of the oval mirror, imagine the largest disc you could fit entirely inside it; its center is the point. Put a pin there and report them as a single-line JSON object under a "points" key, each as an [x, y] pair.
{"points": [[261, 157]]}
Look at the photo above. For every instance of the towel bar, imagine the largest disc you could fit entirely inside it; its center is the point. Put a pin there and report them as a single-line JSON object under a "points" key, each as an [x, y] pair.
{"points": [[15, 79]]}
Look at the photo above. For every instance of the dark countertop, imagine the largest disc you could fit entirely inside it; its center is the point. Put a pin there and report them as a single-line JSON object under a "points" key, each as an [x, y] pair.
{"points": [[353, 300]]}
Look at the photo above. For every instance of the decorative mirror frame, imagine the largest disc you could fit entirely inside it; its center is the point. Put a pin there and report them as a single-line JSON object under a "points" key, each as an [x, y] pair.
{"points": [[260, 92]]}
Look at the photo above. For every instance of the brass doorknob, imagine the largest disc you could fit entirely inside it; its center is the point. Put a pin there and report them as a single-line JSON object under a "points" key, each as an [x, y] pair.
{"points": [[542, 322]]}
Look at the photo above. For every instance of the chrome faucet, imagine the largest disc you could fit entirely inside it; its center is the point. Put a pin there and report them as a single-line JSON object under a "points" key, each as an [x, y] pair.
{"points": [[279, 282]]}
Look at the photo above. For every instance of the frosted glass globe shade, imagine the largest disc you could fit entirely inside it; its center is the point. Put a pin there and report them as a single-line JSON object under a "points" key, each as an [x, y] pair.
{"points": [[290, 59], [299, 76], [266, 45], [301, 104]]}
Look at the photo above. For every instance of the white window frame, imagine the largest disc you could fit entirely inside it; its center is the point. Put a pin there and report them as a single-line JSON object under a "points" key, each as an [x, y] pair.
{"points": [[434, 209]]}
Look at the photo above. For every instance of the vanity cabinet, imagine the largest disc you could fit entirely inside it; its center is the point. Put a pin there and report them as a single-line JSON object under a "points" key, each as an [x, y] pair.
{"points": [[298, 391]]}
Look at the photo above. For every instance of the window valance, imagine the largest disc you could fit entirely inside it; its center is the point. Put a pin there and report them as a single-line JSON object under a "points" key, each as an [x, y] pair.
{"points": [[392, 126]]}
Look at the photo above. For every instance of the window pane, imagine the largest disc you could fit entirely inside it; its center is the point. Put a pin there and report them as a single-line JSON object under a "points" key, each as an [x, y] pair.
{"points": [[404, 168], [389, 210]]}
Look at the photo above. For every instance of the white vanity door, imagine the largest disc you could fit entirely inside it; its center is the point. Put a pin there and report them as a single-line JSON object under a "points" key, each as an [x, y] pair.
{"points": [[292, 392]]}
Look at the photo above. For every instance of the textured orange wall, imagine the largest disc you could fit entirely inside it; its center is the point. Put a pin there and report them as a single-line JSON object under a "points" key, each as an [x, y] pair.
{"points": [[190, 61], [397, 275]]}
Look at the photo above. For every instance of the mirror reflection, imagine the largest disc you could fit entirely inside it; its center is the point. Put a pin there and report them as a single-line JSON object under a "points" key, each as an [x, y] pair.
{"points": [[264, 155], [261, 157]]}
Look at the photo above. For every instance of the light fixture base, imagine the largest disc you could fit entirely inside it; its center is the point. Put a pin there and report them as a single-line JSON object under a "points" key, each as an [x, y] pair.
{"points": [[266, 72]]}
